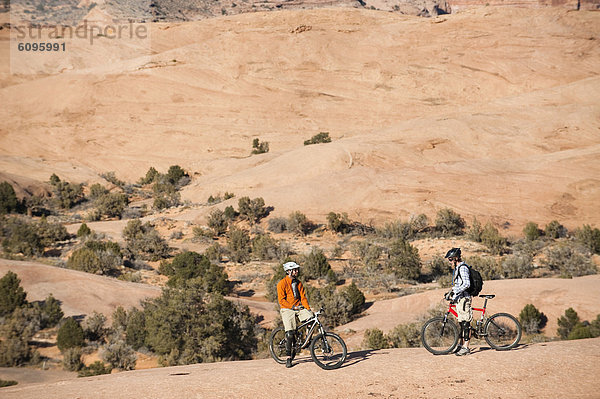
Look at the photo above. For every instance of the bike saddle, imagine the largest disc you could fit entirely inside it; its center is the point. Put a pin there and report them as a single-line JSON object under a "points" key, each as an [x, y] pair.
{"points": [[489, 296]]}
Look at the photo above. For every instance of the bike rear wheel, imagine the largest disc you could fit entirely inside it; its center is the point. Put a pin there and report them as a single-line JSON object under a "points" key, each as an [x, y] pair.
{"points": [[328, 351], [277, 345], [438, 336], [502, 331]]}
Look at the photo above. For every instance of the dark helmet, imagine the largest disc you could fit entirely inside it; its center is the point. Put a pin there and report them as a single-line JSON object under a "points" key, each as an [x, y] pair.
{"points": [[453, 253]]}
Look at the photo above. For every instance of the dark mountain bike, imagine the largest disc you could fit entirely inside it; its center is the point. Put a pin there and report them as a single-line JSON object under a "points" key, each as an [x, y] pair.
{"points": [[328, 350], [501, 331]]}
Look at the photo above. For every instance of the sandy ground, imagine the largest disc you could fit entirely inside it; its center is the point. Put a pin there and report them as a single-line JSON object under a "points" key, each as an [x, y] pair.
{"points": [[567, 369]]}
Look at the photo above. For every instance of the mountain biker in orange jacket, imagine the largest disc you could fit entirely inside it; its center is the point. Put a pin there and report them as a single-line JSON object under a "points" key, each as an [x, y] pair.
{"points": [[292, 301], [460, 295]]}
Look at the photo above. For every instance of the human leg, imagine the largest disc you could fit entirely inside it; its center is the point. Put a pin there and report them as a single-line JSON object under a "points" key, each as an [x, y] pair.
{"points": [[465, 316]]}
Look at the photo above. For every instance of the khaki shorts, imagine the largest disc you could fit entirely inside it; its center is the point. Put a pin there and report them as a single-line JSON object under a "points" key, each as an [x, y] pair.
{"points": [[289, 317], [464, 309]]}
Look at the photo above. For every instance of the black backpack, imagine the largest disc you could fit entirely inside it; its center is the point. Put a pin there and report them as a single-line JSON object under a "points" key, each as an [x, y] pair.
{"points": [[475, 281]]}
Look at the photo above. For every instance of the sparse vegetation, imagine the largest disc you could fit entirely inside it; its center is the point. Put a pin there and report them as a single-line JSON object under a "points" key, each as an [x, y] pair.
{"points": [[374, 338], [191, 269], [532, 319], [403, 260], [66, 194], [258, 147], [449, 223], [322, 137], [143, 241], [238, 245], [70, 335], [252, 210], [570, 260], [8, 199]]}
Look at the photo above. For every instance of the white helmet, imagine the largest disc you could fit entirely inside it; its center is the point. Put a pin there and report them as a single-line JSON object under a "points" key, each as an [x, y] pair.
{"points": [[290, 266]]}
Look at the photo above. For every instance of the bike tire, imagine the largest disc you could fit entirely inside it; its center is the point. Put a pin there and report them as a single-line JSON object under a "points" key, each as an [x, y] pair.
{"points": [[277, 345], [328, 351], [502, 331], [439, 337]]}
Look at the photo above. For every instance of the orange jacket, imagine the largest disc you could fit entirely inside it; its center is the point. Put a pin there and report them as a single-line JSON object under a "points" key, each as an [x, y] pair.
{"points": [[285, 295]]}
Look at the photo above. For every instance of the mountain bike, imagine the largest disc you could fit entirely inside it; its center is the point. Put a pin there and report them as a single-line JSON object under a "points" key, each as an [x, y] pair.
{"points": [[501, 331], [328, 350]]}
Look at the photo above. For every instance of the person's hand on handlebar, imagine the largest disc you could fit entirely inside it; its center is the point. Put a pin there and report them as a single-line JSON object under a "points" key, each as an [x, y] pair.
{"points": [[449, 296], [297, 307]]}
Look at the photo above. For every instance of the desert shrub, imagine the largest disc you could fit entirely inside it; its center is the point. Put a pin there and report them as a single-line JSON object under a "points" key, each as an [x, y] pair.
{"points": [[448, 222], [97, 190], [217, 221], [356, 298], [405, 336], [165, 194], [404, 260], [475, 231], [567, 322], [84, 230], [16, 331], [322, 137], [532, 319], [396, 230], [517, 266], [8, 199], [531, 231], [595, 326], [94, 327], [70, 335], [570, 260], [555, 230], [111, 177], [258, 147], [51, 312], [14, 351], [214, 253], [7, 383], [589, 238], [175, 175], [439, 267], [368, 253], [487, 266], [492, 239], [299, 224], [278, 225], [50, 233], [339, 223], [315, 264], [196, 327], [97, 261], [112, 204], [238, 245], [96, 368], [265, 247], [230, 213], [119, 319], [118, 354], [12, 295], [252, 209], [374, 338], [19, 236], [66, 194], [143, 241], [72, 359], [336, 305], [190, 268], [580, 331], [135, 332], [151, 176]]}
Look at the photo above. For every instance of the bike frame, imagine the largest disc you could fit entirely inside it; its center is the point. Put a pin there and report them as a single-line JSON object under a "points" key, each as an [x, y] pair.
{"points": [[480, 322], [314, 322]]}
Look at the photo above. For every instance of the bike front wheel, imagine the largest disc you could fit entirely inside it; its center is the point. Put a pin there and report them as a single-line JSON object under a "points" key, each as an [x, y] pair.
{"points": [[277, 345], [438, 336], [502, 331], [328, 351]]}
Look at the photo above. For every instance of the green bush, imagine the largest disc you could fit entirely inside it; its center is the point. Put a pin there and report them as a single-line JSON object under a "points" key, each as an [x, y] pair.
{"points": [[368, 254], [135, 332], [439, 267], [175, 175], [7, 383], [94, 327], [97, 190], [70, 335], [589, 238], [404, 260], [94, 261], [84, 230], [143, 241], [491, 238], [50, 233], [52, 312], [336, 304], [66, 194], [487, 267], [531, 231], [238, 245], [118, 354], [72, 359], [474, 233], [567, 322], [339, 223], [8, 199], [299, 224], [190, 326], [315, 265], [278, 225], [569, 260], [214, 253], [21, 237], [517, 266], [375, 339], [217, 222], [96, 368], [405, 336], [265, 247], [356, 298], [555, 230], [151, 176], [258, 147], [12, 295], [322, 137], [165, 195], [112, 178], [532, 319], [112, 204], [190, 268], [449, 223], [252, 210]]}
